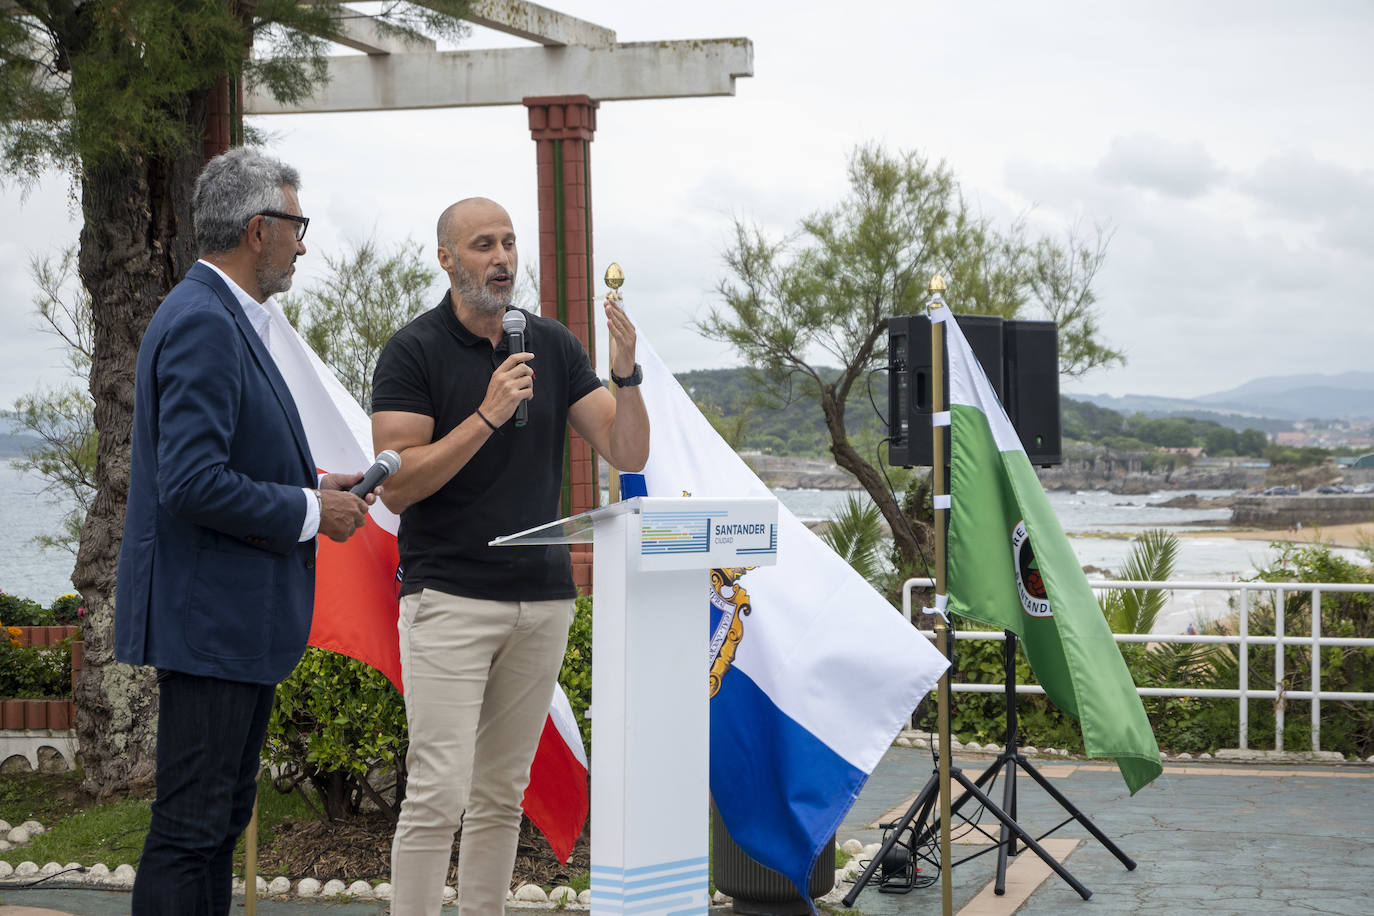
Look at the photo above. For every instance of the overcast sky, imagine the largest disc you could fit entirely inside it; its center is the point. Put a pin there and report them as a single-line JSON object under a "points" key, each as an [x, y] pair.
{"points": [[1228, 143]]}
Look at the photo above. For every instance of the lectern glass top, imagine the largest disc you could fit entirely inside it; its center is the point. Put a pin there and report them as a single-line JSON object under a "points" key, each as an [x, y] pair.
{"points": [[576, 529]]}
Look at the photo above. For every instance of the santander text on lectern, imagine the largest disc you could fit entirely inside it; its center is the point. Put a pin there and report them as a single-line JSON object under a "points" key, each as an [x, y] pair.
{"points": [[651, 722]]}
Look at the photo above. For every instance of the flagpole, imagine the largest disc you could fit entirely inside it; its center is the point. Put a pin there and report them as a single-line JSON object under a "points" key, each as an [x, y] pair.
{"points": [[250, 859], [939, 408], [615, 278]]}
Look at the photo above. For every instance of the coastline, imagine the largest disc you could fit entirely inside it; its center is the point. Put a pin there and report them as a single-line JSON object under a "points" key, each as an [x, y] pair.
{"points": [[1350, 536]]}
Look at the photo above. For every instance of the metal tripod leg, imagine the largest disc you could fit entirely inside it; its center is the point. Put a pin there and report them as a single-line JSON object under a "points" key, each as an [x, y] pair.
{"points": [[917, 812], [1007, 841], [1079, 816], [1010, 823]]}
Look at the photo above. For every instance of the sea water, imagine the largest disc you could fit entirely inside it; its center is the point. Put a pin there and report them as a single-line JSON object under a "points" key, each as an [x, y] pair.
{"points": [[1100, 526]]}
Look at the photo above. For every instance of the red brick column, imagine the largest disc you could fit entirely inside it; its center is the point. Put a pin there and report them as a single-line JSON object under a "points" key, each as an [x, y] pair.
{"points": [[218, 120], [562, 128], [224, 119]]}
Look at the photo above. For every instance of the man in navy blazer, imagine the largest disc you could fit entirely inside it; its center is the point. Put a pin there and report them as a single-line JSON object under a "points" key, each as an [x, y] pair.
{"points": [[217, 567]]}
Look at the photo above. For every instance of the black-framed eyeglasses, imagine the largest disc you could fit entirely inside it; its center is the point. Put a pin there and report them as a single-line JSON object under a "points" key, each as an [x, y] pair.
{"points": [[302, 222]]}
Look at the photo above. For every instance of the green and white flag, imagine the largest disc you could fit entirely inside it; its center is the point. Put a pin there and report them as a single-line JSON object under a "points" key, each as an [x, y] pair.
{"points": [[998, 510]]}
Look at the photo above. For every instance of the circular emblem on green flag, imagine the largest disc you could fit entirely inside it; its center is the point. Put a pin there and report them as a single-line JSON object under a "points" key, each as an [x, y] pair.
{"points": [[1034, 599]]}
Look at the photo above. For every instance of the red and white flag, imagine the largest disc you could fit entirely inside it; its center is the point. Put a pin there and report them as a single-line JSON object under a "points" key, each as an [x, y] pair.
{"points": [[356, 605]]}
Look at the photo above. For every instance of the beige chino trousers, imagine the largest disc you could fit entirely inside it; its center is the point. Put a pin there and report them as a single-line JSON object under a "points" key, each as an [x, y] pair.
{"points": [[478, 676]]}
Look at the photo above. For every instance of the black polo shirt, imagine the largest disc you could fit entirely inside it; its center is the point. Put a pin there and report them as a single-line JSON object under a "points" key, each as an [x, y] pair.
{"points": [[437, 367]]}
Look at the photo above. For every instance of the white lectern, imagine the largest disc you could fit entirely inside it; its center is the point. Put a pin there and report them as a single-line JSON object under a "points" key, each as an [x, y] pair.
{"points": [[651, 730]]}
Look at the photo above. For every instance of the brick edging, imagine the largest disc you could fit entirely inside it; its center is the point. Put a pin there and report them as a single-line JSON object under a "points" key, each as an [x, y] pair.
{"points": [[44, 636], [21, 715]]}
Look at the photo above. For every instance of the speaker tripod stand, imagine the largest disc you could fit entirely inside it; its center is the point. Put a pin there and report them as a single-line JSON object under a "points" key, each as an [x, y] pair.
{"points": [[917, 821]]}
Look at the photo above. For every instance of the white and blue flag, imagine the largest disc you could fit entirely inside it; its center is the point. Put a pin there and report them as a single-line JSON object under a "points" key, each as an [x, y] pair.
{"points": [[813, 672]]}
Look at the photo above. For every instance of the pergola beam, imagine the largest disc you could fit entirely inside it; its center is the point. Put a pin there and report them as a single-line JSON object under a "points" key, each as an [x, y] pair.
{"points": [[536, 23], [361, 33], [461, 79]]}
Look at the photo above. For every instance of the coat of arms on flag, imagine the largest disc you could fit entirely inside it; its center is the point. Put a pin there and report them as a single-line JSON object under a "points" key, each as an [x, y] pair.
{"points": [[729, 606]]}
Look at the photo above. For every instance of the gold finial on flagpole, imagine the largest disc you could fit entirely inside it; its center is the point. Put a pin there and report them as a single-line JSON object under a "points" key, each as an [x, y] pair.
{"points": [[615, 278], [937, 284]]}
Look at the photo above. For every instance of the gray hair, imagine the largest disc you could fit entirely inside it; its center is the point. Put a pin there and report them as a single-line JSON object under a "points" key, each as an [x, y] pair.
{"points": [[233, 188]]}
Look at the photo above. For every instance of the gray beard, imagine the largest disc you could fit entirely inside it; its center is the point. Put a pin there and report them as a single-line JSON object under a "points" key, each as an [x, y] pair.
{"points": [[270, 284], [480, 297]]}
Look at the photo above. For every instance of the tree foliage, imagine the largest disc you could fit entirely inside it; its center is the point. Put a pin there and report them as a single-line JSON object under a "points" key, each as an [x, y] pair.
{"points": [[366, 297], [823, 295], [84, 83], [855, 532], [1152, 558], [62, 417]]}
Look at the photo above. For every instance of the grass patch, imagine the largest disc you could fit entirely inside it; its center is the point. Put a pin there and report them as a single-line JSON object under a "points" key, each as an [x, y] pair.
{"points": [[43, 797], [112, 833]]}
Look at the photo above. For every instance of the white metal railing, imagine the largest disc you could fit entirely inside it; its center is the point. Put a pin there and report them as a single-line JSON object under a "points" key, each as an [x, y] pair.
{"points": [[1243, 693]]}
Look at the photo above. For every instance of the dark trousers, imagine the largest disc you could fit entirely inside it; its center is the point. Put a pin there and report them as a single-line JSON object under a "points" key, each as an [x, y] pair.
{"points": [[209, 739]]}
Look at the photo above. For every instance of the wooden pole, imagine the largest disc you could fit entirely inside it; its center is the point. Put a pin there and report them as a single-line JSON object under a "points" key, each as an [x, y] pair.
{"points": [[250, 862], [939, 404]]}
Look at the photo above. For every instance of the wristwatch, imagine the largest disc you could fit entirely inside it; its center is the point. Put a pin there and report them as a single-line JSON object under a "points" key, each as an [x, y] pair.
{"points": [[634, 378]]}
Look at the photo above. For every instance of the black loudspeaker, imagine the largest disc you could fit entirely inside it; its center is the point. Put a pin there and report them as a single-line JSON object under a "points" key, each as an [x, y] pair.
{"points": [[1021, 360], [910, 375], [1030, 351]]}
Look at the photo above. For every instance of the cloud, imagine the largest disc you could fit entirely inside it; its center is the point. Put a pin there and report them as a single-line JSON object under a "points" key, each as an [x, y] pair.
{"points": [[1182, 170], [1336, 201]]}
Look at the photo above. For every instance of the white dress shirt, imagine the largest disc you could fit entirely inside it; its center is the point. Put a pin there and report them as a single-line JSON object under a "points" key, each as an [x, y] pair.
{"points": [[261, 322]]}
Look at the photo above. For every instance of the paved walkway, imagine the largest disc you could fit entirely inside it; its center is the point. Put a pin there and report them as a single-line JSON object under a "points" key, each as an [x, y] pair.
{"points": [[1206, 837]]}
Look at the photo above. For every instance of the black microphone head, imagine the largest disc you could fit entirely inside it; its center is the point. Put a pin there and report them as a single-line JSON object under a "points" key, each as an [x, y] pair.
{"points": [[391, 460], [513, 322]]}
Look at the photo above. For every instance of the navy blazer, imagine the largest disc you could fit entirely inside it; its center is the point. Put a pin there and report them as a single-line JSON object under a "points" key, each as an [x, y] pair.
{"points": [[212, 577]]}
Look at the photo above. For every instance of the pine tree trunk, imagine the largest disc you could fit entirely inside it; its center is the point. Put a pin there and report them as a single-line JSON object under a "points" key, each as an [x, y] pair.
{"points": [[136, 243]]}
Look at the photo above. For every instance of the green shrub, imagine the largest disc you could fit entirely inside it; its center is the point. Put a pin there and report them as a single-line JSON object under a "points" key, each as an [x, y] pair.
{"points": [[1346, 727], [21, 612], [576, 674], [67, 610], [34, 672], [336, 723]]}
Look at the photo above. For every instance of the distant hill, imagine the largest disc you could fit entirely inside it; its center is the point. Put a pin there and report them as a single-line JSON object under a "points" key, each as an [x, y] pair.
{"points": [[1346, 396], [12, 446], [1131, 404]]}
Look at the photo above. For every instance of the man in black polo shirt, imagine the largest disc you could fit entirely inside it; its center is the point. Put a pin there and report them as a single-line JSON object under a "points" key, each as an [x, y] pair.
{"points": [[483, 629]]}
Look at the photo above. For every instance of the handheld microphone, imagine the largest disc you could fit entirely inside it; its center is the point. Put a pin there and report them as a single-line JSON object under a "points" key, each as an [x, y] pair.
{"points": [[514, 325], [387, 463]]}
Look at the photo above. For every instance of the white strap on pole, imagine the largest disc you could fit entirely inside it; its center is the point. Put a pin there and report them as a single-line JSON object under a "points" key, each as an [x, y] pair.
{"points": [[941, 603], [939, 418], [941, 311], [941, 501]]}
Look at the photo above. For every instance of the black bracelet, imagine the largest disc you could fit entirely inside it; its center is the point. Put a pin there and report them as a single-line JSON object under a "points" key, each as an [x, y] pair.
{"points": [[485, 420]]}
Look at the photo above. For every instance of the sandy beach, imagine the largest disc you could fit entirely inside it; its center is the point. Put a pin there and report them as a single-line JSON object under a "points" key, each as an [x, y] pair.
{"points": [[1351, 536]]}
